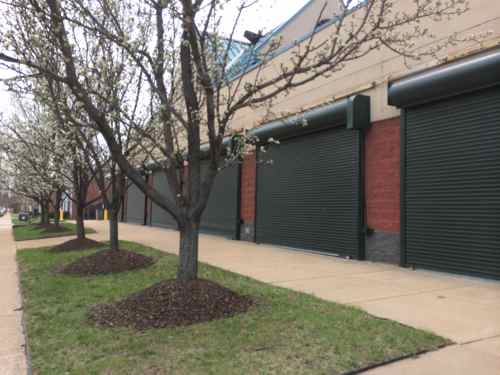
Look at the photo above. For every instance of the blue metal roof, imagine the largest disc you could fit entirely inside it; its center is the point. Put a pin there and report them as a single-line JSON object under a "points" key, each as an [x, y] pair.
{"points": [[236, 48], [251, 58]]}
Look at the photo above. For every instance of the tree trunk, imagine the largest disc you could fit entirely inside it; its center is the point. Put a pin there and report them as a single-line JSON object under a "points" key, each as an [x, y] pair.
{"points": [[188, 252], [44, 215], [57, 208], [113, 230], [56, 217], [80, 226]]}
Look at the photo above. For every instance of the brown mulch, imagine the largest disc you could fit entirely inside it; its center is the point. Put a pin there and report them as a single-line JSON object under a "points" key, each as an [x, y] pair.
{"points": [[106, 262], [52, 228], [76, 244], [172, 303]]}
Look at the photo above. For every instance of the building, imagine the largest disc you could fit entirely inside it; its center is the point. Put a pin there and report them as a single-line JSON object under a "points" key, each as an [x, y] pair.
{"points": [[94, 209], [398, 163]]}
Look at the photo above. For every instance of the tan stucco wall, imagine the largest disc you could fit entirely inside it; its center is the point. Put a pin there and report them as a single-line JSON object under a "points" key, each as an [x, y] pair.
{"points": [[370, 75], [306, 20]]}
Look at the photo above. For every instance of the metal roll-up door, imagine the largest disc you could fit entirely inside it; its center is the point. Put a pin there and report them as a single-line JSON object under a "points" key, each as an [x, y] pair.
{"points": [[221, 215], [451, 189], [160, 217], [309, 193], [135, 205]]}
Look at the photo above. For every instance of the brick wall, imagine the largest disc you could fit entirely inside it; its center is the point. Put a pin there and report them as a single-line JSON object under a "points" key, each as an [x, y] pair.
{"points": [[125, 203], [93, 191], [52, 203], [382, 173], [149, 205], [248, 172]]}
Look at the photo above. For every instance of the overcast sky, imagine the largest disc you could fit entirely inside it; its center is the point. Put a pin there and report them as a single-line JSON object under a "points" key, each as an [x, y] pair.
{"points": [[266, 15]]}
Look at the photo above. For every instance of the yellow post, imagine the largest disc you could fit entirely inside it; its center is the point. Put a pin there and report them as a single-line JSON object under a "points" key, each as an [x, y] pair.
{"points": [[106, 214], [61, 214]]}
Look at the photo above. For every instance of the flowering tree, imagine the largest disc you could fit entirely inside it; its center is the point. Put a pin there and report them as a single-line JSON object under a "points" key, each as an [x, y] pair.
{"points": [[46, 158], [29, 170], [123, 87], [193, 92], [109, 178]]}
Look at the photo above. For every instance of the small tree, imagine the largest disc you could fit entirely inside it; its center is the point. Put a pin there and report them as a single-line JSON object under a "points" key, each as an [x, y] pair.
{"points": [[176, 45], [123, 86], [110, 179]]}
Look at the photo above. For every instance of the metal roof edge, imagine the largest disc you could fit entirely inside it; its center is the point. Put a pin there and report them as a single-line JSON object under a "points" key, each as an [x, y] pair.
{"points": [[353, 112], [465, 75], [291, 45]]}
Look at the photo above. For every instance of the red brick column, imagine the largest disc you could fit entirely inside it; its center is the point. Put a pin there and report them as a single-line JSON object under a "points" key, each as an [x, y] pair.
{"points": [[382, 190], [382, 175], [248, 180]]}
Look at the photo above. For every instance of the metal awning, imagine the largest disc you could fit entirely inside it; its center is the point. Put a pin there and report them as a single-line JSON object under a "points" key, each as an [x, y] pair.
{"points": [[352, 112], [471, 74]]}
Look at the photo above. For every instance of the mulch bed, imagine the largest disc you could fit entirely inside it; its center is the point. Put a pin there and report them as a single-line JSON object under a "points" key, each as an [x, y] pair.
{"points": [[51, 228], [106, 262], [75, 245], [172, 303]]}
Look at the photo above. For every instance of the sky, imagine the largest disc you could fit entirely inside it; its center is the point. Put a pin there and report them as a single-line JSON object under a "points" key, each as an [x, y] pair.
{"points": [[265, 15]]}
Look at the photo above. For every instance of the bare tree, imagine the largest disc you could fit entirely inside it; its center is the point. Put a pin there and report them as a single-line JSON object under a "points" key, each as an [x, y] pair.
{"points": [[178, 47]]}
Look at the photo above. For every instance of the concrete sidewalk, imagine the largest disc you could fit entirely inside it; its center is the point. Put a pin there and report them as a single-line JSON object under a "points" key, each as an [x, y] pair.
{"points": [[12, 351], [465, 310]]}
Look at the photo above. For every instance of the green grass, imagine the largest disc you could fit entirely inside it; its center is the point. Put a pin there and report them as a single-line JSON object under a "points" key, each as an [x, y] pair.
{"points": [[285, 333], [16, 221], [24, 231]]}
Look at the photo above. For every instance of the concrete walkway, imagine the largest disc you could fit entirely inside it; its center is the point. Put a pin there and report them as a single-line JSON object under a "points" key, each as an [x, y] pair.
{"points": [[465, 310], [12, 353]]}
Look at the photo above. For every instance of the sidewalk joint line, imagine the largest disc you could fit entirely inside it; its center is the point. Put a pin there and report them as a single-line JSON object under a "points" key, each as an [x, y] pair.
{"points": [[480, 339], [407, 295]]}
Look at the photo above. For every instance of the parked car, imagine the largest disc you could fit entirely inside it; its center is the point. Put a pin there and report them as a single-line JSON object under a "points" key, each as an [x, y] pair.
{"points": [[23, 216]]}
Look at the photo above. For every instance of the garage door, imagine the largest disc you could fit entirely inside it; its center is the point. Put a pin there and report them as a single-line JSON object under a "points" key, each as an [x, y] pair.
{"points": [[160, 217], [452, 204], [450, 166], [135, 205], [309, 193], [221, 215]]}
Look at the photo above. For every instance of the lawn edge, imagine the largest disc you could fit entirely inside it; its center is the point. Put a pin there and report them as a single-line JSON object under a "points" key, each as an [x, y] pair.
{"points": [[24, 326], [447, 342], [68, 234], [397, 359], [56, 235]]}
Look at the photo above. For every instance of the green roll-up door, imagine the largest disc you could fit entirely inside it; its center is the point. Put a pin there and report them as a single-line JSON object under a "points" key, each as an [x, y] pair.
{"points": [[160, 217], [309, 193], [451, 186], [135, 205], [221, 215]]}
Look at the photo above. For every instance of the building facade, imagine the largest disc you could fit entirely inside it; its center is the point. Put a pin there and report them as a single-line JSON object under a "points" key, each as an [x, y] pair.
{"points": [[399, 163]]}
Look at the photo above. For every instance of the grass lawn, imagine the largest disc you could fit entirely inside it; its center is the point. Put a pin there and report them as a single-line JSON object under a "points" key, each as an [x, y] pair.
{"points": [[16, 221], [284, 333], [31, 231]]}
